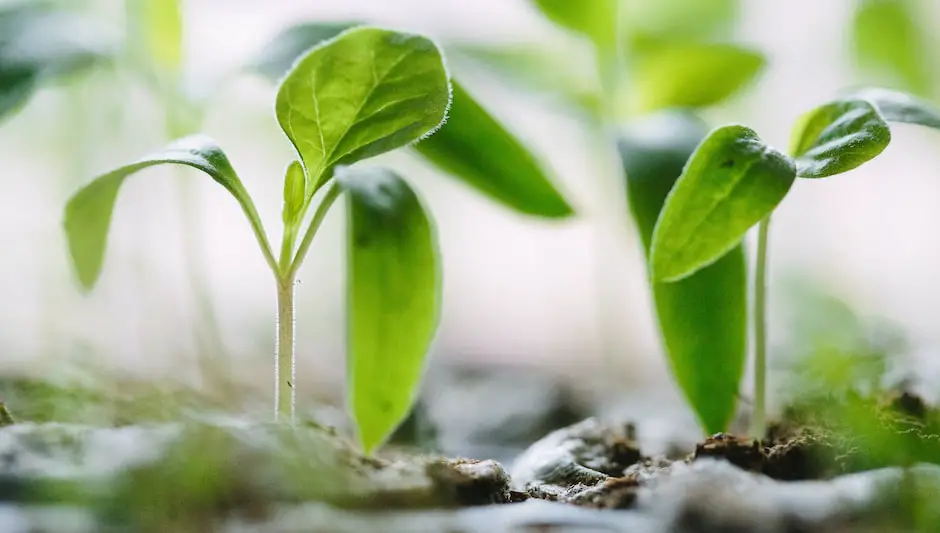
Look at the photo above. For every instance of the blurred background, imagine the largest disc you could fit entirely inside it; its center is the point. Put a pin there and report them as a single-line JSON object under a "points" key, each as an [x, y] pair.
{"points": [[183, 275]]}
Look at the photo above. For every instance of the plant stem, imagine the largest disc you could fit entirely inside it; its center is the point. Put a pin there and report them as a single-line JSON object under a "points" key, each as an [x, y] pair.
{"points": [[284, 370], [332, 193], [760, 331]]}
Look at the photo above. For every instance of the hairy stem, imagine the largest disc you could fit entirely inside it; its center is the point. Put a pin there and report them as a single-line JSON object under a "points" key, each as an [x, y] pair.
{"points": [[284, 352], [760, 331]]}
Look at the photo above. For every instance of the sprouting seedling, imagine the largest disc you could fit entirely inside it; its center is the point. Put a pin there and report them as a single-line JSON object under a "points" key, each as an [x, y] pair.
{"points": [[363, 93], [734, 181]]}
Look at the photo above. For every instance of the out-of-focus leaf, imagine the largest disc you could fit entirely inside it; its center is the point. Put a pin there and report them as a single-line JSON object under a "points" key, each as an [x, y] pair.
{"points": [[890, 43], [361, 94], [691, 75], [837, 137], [896, 106], [475, 148], [39, 45], [594, 19], [162, 33], [705, 342], [660, 21], [88, 212], [277, 57], [731, 182], [394, 287]]}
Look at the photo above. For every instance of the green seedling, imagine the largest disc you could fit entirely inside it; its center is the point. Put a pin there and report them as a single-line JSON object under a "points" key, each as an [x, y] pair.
{"points": [[365, 92], [734, 181]]}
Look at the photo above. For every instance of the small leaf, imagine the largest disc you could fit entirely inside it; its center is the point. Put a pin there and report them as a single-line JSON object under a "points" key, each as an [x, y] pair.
{"points": [[595, 19], [838, 137], [88, 212], [361, 94], [889, 42], [705, 342], [277, 57], [394, 278], [896, 106], [39, 45], [731, 182], [294, 193], [477, 149], [691, 75]]}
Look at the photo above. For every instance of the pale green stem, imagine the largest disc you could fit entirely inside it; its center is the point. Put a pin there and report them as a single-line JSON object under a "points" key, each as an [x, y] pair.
{"points": [[760, 332], [284, 369]]}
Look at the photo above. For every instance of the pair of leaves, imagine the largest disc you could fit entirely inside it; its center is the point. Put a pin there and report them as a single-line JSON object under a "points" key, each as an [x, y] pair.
{"points": [[703, 318], [366, 92], [472, 146], [734, 180], [39, 45]]}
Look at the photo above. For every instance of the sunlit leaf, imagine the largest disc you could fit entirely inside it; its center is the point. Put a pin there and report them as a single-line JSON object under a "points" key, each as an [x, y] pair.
{"points": [[731, 182], [705, 342], [277, 57], [838, 137], [691, 75], [294, 193], [393, 280], [88, 212], [39, 45], [595, 19], [475, 148], [361, 94], [890, 42], [896, 106]]}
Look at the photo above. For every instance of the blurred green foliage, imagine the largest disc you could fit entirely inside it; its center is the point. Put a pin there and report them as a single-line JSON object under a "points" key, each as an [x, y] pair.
{"points": [[891, 45]]}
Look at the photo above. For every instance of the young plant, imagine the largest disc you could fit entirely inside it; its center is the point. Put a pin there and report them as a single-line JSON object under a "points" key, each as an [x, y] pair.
{"points": [[365, 92], [734, 181]]}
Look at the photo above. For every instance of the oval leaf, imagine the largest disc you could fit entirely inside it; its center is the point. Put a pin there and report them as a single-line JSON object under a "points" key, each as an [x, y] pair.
{"points": [[277, 57], [393, 285], [475, 148], [363, 93], [39, 45], [896, 106], [595, 19], [88, 212], [294, 189], [731, 182], [838, 137], [692, 75], [706, 343], [889, 42]]}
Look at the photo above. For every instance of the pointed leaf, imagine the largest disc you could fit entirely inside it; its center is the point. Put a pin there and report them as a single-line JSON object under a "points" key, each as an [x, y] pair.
{"points": [[39, 45], [896, 106], [361, 94], [838, 137], [731, 182], [279, 55], [595, 19], [88, 212], [477, 149], [394, 277], [890, 42], [705, 342], [692, 75]]}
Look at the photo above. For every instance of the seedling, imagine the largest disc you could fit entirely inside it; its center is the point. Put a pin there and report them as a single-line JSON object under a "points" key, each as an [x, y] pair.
{"points": [[734, 181], [365, 92]]}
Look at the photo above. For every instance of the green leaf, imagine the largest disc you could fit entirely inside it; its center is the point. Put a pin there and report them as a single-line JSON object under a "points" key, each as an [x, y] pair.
{"points": [[838, 137], [896, 106], [39, 45], [731, 182], [595, 19], [706, 342], [678, 20], [294, 193], [889, 42], [277, 57], [477, 149], [88, 212], [394, 284], [366, 92], [162, 33], [691, 75]]}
